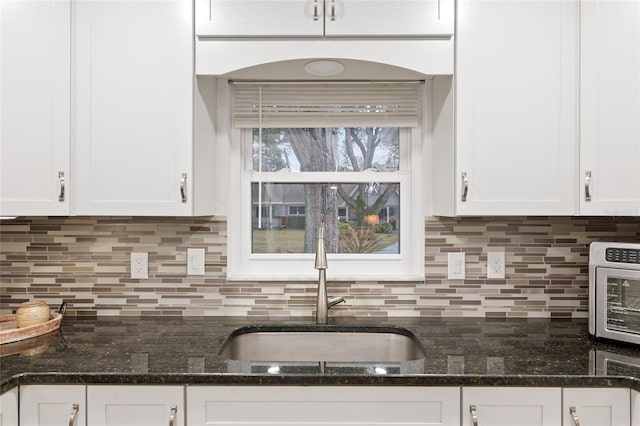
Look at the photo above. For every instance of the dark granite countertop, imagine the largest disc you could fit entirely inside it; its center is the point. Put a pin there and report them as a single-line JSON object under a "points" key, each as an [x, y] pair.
{"points": [[460, 351]]}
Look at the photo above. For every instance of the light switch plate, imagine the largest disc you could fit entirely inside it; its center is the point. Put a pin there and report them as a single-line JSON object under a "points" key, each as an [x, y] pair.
{"points": [[195, 261], [456, 266]]}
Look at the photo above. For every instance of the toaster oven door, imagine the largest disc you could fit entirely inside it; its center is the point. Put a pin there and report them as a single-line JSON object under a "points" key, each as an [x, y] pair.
{"points": [[618, 304]]}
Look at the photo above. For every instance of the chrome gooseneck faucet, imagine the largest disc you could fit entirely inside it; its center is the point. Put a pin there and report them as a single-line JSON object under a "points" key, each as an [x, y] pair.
{"points": [[323, 302]]}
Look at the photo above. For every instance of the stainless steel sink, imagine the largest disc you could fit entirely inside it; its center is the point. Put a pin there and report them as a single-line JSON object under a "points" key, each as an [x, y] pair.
{"points": [[322, 343]]}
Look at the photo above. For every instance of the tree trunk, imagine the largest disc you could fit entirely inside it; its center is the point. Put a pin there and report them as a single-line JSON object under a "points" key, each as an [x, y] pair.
{"points": [[316, 149], [320, 207]]}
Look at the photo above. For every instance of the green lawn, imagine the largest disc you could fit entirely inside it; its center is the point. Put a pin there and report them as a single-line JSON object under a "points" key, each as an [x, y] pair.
{"points": [[292, 241]]}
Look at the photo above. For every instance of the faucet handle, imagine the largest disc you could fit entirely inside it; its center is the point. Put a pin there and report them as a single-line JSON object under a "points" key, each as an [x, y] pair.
{"points": [[332, 301]]}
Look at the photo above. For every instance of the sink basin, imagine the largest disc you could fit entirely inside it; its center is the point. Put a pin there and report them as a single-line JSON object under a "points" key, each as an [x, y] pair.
{"points": [[328, 343]]}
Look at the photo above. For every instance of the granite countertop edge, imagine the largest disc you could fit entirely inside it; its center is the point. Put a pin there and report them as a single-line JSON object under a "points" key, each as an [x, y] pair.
{"points": [[214, 379], [187, 351]]}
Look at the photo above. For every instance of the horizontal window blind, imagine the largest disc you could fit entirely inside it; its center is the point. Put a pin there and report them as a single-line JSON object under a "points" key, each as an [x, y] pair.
{"points": [[332, 104]]}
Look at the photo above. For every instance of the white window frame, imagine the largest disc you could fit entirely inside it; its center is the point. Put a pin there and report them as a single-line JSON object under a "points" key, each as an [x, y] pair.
{"points": [[406, 266]]}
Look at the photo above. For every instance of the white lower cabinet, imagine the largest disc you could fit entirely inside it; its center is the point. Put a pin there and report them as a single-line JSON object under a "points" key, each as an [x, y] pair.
{"points": [[330, 405], [509, 406], [135, 405], [201, 405], [596, 407], [635, 408], [52, 405], [9, 408]]}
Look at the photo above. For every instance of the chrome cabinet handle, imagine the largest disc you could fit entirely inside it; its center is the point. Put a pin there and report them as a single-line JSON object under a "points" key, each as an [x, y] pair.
{"points": [[465, 186], [474, 415], [183, 187], [315, 10], [61, 180], [575, 421], [587, 185], [172, 416], [333, 10], [74, 415]]}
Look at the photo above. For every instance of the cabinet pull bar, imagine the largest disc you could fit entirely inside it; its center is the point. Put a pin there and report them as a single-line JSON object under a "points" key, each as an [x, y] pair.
{"points": [[465, 186], [172, 416], [474, 415], [61, 180], [333, 10], [575, 421], [587, 185], [315, 10], [183, 188], [74, 414]]}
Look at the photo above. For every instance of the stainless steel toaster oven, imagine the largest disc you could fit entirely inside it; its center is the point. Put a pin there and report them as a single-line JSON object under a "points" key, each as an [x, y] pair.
{"points": [[614, 291]]}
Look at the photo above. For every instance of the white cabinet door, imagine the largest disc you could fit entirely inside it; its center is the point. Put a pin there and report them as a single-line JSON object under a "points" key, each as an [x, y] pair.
{"points": [[341, 405], [385, 18], [516, 107], [308, 18], [596, 407], [610, 108], [242, 18], [9, 408], [509, 406], [35, 57], [133, 107], [635, 408], [52, 405], [135, 405]]}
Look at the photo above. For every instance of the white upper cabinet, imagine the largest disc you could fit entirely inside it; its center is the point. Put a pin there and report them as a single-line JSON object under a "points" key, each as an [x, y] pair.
{"points": [[317, 18], [35, 59], [610, 108], [516, 107], [240, 18], [133, 107], [389, 18]]}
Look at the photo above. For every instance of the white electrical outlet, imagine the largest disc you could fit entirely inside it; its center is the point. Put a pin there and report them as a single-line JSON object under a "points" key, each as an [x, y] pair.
{"points": [[495, 264], [456, 267], [195, 261], [140, 265]]}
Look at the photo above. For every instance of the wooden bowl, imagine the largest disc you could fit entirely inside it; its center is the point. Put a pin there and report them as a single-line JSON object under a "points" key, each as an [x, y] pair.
{"points": [[32, 313]]}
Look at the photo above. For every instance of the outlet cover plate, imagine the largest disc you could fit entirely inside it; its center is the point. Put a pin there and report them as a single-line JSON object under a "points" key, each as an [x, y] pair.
{"points": [[139, 265], [495, 265]]}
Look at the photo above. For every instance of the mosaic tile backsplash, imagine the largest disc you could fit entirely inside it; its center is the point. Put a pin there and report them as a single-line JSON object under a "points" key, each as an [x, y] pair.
{"points": [[85, 261]]}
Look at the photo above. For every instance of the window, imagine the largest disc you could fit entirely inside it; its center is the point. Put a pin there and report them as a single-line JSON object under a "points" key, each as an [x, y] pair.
{"points": [[355, 176], [296, 210]]}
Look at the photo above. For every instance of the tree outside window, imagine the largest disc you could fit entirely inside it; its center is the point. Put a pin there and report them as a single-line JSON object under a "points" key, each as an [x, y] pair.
{"points": [[359, 217]]}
